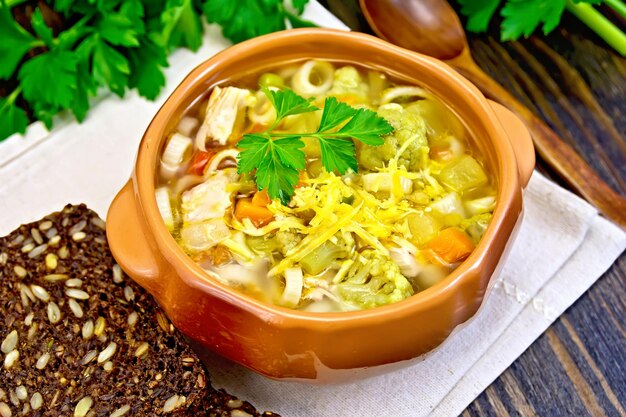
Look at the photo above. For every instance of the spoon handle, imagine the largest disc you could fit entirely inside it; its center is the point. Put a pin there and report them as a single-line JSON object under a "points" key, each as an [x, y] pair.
{"points": [[559, 155]]}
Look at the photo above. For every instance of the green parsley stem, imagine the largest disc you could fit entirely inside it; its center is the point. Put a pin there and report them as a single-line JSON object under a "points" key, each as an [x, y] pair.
{"points": [[76, 32], [618, 6], [312, 135], [37, 43], [13, 96], [599, 24]]}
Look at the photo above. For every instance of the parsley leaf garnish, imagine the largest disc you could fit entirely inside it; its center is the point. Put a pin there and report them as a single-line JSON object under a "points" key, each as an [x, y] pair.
{"points": [[288, 103], [277, 157], [276, 162]]}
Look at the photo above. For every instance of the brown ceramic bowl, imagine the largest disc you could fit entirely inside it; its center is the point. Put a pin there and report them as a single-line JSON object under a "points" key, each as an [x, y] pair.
{"points": [[282, 343]]}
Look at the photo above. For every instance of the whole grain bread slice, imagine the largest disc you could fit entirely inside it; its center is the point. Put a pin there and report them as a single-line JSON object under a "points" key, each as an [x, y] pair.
{"points": [[79, 338]]}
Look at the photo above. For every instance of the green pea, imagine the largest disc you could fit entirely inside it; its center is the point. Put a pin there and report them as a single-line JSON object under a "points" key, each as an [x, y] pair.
{"points": [[270, 79]]}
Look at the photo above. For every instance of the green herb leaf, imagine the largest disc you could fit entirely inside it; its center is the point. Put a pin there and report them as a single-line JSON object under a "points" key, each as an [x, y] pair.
{"points": [[287, 103], [12, 118], [298, 22], [146, 69], [49, 79], [367, 127], [254, 150], [44, 112], [110, 67], [338, 155], [180, 25], [245, 19], [85, 87], [479, 13], [124, 27], [15, 43], [276, 162], [41, 29], [277, 156], [335, 113], [299, 4], [119, 44], [288, 150], [279, 180], [522, 17]]}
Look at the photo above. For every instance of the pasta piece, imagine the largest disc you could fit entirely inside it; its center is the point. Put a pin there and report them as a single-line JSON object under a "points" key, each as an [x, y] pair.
{"points": [[313, 78], [262, 112], [391, 94]]}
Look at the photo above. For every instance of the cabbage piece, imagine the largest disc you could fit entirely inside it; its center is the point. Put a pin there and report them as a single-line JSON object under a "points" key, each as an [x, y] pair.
{"points": [[208, 200], [449, 204], [463, 174], [480, 205]]}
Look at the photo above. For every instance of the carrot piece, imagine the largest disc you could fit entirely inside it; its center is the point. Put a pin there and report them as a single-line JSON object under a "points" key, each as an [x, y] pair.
{"points": [[451, 245], [199, 161], [261, 198], [259, 215]]}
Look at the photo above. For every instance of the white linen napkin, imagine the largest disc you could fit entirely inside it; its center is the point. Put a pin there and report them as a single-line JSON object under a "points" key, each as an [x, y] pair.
{"points": [[562, 248]]}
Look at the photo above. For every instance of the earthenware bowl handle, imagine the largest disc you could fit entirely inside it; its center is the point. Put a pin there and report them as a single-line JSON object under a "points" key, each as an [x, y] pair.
{"points": [[520, 139], [128, 240]]}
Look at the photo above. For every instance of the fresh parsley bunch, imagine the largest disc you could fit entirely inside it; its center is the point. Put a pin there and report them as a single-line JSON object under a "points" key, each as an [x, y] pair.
{"points": [[523, 17], [111, 44], [277, 157]]}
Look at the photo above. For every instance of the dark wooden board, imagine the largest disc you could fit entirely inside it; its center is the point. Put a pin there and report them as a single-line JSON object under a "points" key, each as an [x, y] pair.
{"points": [[577, 84]]}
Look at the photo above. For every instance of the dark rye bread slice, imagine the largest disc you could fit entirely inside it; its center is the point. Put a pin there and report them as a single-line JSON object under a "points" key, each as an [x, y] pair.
{"points": [[79, 338]]}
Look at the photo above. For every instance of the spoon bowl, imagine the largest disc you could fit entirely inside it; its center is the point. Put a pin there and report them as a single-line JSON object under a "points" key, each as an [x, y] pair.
{"points": [[395, 21]]}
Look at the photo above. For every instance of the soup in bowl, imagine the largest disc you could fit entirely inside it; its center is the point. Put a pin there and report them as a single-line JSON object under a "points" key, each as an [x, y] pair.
{"points": [[324, 187], [315, 204]]}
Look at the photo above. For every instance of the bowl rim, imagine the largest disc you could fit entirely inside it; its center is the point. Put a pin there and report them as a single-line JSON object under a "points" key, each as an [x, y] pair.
{"points": [[144, 186]]}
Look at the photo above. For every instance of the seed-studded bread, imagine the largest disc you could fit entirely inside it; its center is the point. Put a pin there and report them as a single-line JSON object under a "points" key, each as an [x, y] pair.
{"points": [[79, 338]]}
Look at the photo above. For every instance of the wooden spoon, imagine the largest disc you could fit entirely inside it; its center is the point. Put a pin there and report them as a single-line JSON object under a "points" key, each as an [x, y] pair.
{"points": [[433, 28]]}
